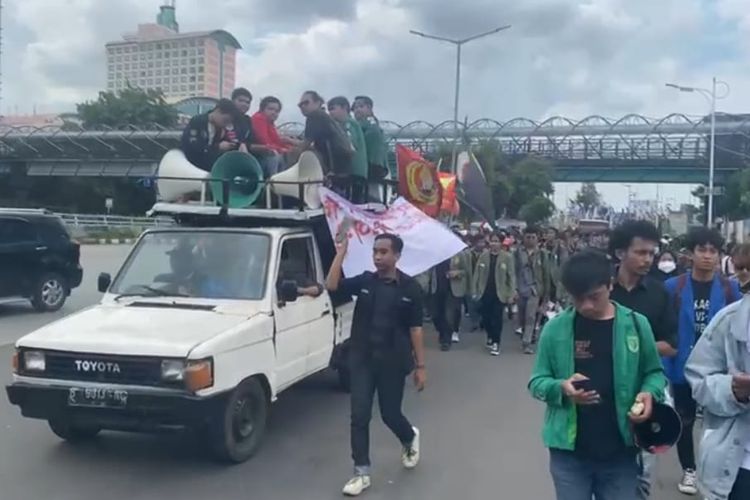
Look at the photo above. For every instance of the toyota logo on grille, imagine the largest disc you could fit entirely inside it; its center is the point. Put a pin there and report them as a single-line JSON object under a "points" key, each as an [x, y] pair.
{"points": [[96, 366]]}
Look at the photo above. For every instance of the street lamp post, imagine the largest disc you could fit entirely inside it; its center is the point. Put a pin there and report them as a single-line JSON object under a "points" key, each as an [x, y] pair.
{"points": [[712, 97], [459, 43]]}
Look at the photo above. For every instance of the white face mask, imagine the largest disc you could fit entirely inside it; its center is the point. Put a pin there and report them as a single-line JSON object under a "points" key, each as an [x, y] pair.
{"points": [[667, 266]]}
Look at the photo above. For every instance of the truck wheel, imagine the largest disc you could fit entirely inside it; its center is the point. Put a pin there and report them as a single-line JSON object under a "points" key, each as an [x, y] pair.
{"points": [[69, 431], [236, 433], [49, 293], [344, 376]]}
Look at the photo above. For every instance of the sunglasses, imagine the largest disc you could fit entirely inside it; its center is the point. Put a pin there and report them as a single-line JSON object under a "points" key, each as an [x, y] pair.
{"points": [[303, 103]]}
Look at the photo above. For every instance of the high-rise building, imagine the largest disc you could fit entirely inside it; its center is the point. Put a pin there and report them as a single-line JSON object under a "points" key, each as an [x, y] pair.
{"points": [[182, 65]]}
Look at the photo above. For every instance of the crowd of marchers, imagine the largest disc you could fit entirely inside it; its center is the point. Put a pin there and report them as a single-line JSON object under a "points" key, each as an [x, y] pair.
{"points": [[618, 321]]}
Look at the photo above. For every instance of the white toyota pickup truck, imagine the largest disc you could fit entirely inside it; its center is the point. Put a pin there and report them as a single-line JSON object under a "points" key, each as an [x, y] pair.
{"points": [[202, 327]]}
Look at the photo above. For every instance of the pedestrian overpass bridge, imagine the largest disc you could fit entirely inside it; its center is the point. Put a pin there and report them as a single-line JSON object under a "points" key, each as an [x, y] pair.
{"points": [[634, 148]]}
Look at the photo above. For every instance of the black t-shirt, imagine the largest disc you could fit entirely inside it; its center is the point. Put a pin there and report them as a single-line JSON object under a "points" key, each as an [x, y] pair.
{"points": [[242, 131], [490, 293], [441, 276], [330, 142], [385, 311], [651, 299], [701, 304], [598, 436]]}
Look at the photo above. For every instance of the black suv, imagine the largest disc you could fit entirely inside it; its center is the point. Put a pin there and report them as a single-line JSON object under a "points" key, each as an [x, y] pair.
{"points": [[38, 259]]}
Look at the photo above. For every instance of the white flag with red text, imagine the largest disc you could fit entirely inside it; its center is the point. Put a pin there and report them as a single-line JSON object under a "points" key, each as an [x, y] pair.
{"points": [[427, 242]]}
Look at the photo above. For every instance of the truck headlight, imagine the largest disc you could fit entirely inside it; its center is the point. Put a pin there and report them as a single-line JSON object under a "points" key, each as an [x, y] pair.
{"points": [[172, 370], [33, 361], [199, 374]]}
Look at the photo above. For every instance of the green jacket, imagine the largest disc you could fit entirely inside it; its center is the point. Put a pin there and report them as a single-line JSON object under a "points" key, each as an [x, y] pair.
{"points": [[505, 276], [461, 262], [356, 136], [377, 150], [637, 368], [540, 268]]}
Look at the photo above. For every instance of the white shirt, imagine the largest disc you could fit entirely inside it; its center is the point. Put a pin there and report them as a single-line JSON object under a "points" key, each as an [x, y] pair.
{"points": [[746, 462]]}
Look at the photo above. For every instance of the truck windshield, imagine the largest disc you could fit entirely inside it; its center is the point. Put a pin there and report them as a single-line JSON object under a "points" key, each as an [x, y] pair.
{"points": [[212, 265]]}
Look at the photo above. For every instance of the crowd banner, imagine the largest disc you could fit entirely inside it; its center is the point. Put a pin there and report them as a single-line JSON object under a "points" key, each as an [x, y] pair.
{"points": [[427, 242], [418, 181]]}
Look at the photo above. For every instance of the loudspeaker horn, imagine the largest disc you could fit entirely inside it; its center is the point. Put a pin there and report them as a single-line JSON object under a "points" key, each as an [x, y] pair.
{"points": [[307, 170], [245, 177], [174, 164]]}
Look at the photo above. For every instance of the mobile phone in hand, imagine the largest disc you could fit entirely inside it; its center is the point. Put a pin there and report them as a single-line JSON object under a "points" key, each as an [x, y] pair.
{"points": [[584, 385]]}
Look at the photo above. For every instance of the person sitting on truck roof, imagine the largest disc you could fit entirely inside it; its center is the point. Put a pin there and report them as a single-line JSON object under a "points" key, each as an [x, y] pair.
{"points": [[204, 138], [328, 139]]}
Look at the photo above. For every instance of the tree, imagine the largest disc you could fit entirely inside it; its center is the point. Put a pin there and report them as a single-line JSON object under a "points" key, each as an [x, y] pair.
{"points": [[129, 106], [536, 210], [735, 203], [588, 198]]}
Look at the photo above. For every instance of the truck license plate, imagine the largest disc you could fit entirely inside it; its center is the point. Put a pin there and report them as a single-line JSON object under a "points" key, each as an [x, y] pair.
{"points": [[97, 397]]}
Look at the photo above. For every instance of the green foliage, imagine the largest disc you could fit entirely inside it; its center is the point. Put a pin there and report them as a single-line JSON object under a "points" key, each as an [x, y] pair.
{"points": [[129, 106], [536, 210], [736, 201], [588, 197]]}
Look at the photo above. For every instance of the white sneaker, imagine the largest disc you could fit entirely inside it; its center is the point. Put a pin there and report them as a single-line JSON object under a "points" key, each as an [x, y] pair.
{"points": [[356, 486], [410, 454], [688, 485], [454, 338], [495, 350]]}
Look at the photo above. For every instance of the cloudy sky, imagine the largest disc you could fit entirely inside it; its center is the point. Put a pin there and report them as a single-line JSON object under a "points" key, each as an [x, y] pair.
{"points": [[561, 57]]}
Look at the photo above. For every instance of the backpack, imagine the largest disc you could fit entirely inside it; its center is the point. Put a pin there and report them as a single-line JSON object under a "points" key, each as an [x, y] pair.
{"points": [[682, 281]]}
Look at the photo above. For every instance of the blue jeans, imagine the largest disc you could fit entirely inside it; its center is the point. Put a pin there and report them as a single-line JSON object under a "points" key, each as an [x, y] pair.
{"points": [[578, 479]]}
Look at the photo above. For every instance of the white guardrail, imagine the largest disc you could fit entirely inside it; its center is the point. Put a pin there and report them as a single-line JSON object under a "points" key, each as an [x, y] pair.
{"points": [[92, 221]]}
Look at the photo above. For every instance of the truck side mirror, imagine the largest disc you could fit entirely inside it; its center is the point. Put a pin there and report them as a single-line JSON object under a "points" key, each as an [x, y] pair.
{"points": [[103, 282], [288, 291]]}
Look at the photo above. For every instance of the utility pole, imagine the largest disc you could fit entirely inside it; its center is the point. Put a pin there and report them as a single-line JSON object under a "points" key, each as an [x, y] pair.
{"points": [[709, 94], [459, 43]]}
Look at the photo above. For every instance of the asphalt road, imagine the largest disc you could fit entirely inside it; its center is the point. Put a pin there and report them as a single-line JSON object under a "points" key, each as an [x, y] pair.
{"points": [[480, 437]]}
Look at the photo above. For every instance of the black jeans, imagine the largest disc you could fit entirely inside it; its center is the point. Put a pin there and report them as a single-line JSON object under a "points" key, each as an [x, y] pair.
{"points": [[440, 303], [492, 310], [741, 489], [686, 407], [453, 309], [387, 377]]}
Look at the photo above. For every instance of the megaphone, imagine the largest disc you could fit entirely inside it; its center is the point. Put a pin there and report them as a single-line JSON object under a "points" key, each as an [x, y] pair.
{"points": [[174, 164], [244, 175], [660, 432], [307, 170]]}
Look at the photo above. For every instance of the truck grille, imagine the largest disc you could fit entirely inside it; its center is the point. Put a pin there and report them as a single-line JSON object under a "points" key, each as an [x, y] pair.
{"points": [[127, 370]]}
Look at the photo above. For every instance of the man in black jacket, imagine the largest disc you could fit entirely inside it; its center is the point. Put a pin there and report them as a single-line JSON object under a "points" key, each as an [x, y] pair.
{"points": [[204, 139], [386, 343]]}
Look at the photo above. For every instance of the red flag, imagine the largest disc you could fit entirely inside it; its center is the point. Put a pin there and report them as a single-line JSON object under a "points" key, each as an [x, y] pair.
{"points": [[418, 181], [449, 203]]}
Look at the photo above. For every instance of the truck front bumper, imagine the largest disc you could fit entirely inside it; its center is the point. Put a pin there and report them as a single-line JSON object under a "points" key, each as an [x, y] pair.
{"points": [[144, 409]]}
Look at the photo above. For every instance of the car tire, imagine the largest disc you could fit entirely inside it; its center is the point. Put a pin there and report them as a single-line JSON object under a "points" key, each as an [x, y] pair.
{"points": [[49, 293], [237, 431], [72, 432]]}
